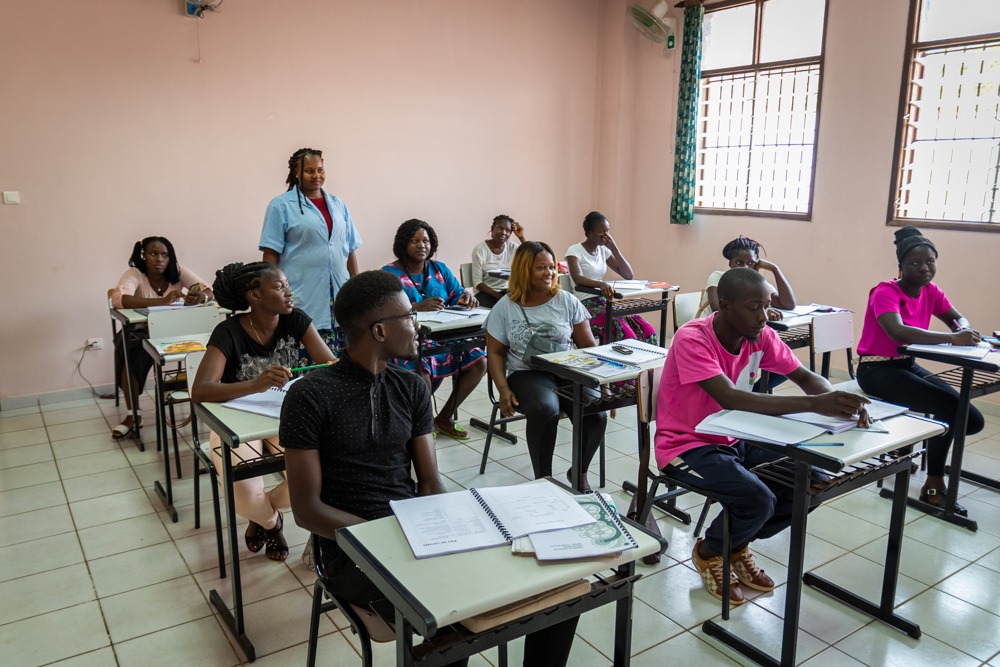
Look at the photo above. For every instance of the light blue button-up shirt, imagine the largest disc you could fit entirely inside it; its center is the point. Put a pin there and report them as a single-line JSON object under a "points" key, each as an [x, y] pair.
{"points": [[314, 262]]}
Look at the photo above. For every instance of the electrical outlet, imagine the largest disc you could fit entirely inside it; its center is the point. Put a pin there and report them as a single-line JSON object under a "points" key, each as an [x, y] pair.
{"points": [[95, 343]]}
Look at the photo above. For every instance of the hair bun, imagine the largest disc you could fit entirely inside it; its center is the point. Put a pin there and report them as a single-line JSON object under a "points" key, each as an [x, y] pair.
{"points": [[906, 232]]}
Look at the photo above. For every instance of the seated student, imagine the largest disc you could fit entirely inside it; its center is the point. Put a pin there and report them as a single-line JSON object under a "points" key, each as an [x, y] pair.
{"points": [[536, 305], [153, 279], [493, 254], [247, 354], [898, 313], [712, 365], [588, 262], [351, 433], [745, 252], [431, 286]]}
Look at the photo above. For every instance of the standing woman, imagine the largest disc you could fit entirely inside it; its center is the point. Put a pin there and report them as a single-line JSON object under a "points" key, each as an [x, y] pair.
{"points": [[497, 252], [899, 313], [247, 354], [536, 306], [153, 279], [588, 262], [430, 286], [309, 234]]}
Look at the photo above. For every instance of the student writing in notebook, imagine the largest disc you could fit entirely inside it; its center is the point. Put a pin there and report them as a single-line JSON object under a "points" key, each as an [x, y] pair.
{"points": [[712, 365], [310, 235], [899, 312], [249, 353], [154, 278], [496, 252], [353, 431], [588, 263], [431, 286]]}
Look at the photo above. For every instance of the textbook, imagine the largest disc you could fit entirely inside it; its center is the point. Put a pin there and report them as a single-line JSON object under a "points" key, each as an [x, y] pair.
{"points": [[449, 523], [267, 403], [180, 346], [611, 360], [606, 536]]}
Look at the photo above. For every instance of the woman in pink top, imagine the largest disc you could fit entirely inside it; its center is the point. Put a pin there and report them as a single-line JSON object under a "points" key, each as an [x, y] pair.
{"points": [[153, 279], [899, 313]]}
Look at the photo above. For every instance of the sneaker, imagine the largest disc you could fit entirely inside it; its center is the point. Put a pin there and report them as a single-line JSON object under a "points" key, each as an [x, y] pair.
{"points": [[746, 570], [711, 575]]}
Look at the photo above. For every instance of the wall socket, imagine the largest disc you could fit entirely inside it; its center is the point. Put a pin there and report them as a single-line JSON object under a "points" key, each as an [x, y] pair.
{"points": [[95, 343]]}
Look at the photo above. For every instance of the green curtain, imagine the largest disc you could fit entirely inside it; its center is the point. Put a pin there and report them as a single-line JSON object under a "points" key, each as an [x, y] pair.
{"points": [[686, 148]]}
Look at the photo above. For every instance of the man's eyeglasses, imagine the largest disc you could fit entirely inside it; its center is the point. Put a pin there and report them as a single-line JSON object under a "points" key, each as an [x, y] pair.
{"points": [[412, 315]]}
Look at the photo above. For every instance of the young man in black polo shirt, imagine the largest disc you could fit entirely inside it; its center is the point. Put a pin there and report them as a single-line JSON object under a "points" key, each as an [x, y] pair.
{"points": [[351, 432]]}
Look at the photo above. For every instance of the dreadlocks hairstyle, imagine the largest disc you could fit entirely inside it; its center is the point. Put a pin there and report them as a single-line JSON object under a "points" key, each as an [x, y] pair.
{"points": [[295, 170], [233, 281], [503, 218], [406, 232], [593, 219], [364, 294], [742, 243], [137, 259], [908, 238]]}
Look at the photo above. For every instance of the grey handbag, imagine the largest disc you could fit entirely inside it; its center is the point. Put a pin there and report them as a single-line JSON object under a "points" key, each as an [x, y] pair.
{"points": [[539, 343]]}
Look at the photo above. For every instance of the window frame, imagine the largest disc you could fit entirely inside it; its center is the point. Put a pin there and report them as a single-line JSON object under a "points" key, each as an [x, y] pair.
{"points": [[757, 67], [909, 65]]}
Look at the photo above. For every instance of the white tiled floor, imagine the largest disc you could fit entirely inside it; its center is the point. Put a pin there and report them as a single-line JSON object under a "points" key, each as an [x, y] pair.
{"points": [[92, 571]]}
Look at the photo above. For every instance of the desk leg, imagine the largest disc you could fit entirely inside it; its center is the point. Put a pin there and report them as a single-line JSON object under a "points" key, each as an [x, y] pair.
{"points": [[404, 641], [133, 399], [606, 338], [623, 622], [663, 320], [164, 491], [233, 622], [577, 464], [825, 367]]}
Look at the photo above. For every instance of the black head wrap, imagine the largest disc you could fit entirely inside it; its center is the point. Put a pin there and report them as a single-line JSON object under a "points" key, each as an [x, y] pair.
{"points": [[908, 238]]}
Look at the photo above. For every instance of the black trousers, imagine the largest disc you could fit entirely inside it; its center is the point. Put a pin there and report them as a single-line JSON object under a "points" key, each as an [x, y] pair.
{"points": [[549, 647], [538, 401], [905, 382]]}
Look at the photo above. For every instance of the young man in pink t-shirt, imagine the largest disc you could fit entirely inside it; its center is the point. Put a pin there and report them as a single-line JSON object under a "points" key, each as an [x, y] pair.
{"points": [[713, 365]]}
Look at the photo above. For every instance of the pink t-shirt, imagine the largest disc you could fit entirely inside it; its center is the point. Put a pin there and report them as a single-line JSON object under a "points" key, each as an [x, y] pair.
{"points": [[888, 297], [695, 355], [135, 283]]}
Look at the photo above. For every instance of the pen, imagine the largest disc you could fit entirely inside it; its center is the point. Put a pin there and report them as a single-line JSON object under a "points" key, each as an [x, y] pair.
{"points": [[309, 368], [824, 444]]}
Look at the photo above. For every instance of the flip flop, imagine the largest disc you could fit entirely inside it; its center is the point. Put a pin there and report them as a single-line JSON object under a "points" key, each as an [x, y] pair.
{"points": [[120, 431], [452, 430]]}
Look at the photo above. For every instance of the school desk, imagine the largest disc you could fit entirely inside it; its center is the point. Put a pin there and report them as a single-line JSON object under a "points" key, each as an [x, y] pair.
{"points": [[633, 301], [861, 459], [431, 594], [972, 378]]}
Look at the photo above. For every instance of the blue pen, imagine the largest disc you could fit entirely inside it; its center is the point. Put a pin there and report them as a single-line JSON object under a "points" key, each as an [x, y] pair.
{"points": [[824, 444]]}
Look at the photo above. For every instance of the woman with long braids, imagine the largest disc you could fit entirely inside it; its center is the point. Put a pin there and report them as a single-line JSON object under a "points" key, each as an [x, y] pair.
{"points": [[154, 278], [899, 313], [309, 234], [247, 354]]}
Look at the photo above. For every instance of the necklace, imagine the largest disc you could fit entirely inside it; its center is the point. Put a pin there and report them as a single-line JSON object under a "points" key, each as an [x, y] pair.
{"points": [[159, 290], [256, 335]]}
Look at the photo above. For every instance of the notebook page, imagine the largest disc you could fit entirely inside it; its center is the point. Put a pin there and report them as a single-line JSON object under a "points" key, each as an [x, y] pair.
{"points": [[533, 508]]}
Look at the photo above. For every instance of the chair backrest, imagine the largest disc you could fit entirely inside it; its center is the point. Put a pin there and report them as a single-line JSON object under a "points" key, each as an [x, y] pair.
{"points": [[834, 331], [465, 275], [566, 283], [685, 307], [648, 389], [191, 363], [183, 321]]}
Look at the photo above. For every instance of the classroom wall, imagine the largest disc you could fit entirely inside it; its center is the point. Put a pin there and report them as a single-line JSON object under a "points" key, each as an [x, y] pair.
{"points": [[123, 119]]}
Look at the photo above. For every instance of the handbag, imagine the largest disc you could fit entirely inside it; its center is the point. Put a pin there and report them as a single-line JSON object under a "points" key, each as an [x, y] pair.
{"points": [[539, 343]]}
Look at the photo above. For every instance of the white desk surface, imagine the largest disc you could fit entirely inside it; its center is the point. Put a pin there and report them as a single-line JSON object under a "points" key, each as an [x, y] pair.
{"points": [[465, 322], [133, 316], [458, 586], [636, 293], [859, 445], [245, 426], [626, 373]]}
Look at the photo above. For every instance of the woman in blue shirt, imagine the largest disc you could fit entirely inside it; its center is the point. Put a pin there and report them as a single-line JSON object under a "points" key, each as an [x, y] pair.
{"points": [[309, 234], [431, 286]]}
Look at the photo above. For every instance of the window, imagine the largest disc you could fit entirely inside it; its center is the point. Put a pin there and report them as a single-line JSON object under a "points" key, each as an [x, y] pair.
{"points": [[948, 146], [760, 87]]}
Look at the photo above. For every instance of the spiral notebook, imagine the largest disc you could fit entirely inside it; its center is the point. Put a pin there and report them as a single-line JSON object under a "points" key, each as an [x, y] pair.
{"points": [[606, 536], [480, 518], [267, 403]]}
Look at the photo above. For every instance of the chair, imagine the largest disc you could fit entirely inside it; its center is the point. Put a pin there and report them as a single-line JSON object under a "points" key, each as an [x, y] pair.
{"points": [[685, 307], [566, 283], [827, 333], [465, 275], [497, 424]]}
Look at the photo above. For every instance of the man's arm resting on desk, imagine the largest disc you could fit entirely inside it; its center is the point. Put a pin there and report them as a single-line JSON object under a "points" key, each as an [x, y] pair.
{"points": [[820, 397], [305, 482]]}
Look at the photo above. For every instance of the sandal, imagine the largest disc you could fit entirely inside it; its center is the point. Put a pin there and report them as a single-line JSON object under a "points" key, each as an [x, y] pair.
{"points": [[938, 496], [274, 540], [452, 430], [585, 487], [254, 537], [123, 429]]}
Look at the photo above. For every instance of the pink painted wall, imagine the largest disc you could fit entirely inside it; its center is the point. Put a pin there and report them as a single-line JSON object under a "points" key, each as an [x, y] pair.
{"points": [[122, 119]]}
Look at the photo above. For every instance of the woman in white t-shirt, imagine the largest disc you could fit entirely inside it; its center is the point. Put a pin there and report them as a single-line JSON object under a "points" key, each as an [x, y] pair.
{"points": [[588, 262], [745, 252], [495, 253]]}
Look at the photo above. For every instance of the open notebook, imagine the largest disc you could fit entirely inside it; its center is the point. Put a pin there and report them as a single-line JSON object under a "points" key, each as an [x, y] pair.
{"points": [[267, 403]]}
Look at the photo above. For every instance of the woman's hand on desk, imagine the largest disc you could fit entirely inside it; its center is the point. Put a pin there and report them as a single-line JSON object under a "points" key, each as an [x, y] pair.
{"points": [[773, 315], [170, 297], [468, 301], [966, 337], [272, 376], [430, 304], [839, 403], [508, 402], [607, 290]]}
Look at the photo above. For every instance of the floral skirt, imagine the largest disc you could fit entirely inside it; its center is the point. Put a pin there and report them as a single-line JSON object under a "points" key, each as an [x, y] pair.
{"points": [[440, 366], [630, 327]]}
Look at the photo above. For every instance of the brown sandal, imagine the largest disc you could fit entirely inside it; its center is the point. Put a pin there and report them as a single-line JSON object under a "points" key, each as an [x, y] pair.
{"points": [[254, 537], [274, 540]]}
